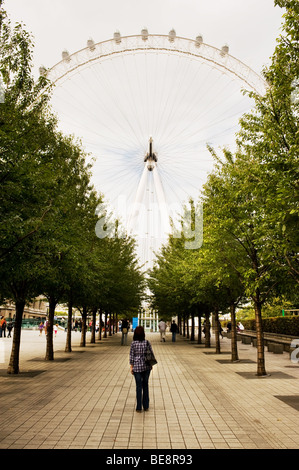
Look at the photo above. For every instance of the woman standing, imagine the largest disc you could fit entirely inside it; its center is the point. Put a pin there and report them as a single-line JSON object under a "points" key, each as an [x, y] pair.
{"points": [[139, 368]]}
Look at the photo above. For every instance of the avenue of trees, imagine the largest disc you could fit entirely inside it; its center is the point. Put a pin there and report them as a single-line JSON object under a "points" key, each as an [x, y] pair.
{"points": [[49, 209], [250, 211]]}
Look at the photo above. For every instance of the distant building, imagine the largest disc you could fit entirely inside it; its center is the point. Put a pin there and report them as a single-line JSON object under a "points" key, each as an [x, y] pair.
{"points": [[37, 309], [148, 318]]}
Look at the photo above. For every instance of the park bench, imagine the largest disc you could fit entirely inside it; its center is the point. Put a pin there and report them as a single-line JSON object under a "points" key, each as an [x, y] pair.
{"points": [[276, 343]]}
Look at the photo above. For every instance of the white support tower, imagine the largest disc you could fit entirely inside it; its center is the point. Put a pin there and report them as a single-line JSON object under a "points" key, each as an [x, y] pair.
{"points": [[149, 218]]}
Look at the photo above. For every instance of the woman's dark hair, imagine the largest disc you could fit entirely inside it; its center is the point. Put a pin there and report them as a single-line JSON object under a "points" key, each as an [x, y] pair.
{"points": [[139, 334]]}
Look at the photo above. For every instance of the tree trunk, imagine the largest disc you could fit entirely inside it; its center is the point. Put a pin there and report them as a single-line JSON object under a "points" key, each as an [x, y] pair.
{"points": [[49, 348], [187, 326], [199, 329], [234, 347], [93, 329], [192, 338], [83, 332], [217, 332], [100, 324], [207, 331], [110, 324], [113, 323], [13, 367], [105, 325], [184, 325], [179, 324], [68, 344], [261, 370]]}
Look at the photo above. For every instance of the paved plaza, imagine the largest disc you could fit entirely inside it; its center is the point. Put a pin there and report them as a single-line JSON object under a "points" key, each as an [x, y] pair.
{"points": [[198, 400]]}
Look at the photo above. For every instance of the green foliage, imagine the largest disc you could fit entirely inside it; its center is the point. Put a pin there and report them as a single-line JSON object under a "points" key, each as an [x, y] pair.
{"points": [[195, 280], [273, 308], [288, 325], [269, 137]]}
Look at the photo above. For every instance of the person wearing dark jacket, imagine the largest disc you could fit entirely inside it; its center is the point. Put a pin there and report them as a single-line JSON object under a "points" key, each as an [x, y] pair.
{"points": [[9, 328], [174, 330], [124, 331]]}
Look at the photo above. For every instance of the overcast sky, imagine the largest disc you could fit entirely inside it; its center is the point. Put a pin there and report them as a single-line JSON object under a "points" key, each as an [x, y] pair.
{"points": [[249, 27]]}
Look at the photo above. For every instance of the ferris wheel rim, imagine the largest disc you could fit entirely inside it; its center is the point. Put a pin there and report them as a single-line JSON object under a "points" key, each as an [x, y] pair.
{"points": [[210, 54]]}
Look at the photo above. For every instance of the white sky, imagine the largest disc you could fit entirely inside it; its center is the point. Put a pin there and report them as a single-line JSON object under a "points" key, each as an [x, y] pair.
{"points": [[249, 27]]}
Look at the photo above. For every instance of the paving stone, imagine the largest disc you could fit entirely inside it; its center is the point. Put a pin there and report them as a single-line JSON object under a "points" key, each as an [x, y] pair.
{"points": [[198, 399]]}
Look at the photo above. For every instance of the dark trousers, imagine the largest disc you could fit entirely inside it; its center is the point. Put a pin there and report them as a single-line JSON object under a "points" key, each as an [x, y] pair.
{"points": [[142, 394]]}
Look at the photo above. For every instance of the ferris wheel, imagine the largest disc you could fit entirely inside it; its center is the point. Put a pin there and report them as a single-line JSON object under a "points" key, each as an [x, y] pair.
{"points": [[145, 107]]}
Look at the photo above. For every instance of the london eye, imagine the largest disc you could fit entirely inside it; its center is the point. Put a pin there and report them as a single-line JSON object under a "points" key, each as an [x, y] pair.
{"points": [[145, 107]]}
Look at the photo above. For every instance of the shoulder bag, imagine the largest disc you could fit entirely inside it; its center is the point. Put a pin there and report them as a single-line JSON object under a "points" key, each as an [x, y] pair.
{"points": [[149, 356]]}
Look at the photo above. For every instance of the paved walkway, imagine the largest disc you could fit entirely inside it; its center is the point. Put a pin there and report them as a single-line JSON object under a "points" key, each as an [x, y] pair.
{"points": [[198, 400]]}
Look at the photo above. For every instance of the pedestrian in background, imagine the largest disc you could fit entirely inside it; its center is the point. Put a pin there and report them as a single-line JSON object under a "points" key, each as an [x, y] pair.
{"points": [[162, 329], [174, 330], [124, 331], [139, 368], [2, 327], [41, 327], [9, 328]]}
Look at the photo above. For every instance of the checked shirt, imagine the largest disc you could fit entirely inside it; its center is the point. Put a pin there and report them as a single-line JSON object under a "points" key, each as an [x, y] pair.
{"points": [[137, 352]]}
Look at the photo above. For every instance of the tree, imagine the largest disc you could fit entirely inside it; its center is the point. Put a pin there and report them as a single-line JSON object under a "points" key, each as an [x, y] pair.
{"points": [[251, 198], [269, 137], [38, 168], [238, 212], [24, 137]]}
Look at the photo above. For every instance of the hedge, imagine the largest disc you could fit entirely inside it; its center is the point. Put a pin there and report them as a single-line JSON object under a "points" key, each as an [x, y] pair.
{"points": [[280, 325]]}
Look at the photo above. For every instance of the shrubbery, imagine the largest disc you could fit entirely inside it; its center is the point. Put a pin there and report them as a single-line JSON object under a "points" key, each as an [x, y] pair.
{"points": [[279, 325]]}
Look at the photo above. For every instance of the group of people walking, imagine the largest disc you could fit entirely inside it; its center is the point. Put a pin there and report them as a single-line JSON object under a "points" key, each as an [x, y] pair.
{"points": [[173, 328], [5, 325]]}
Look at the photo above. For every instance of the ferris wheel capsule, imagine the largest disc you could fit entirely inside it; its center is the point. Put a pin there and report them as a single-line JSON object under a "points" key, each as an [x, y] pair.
{"points": [[224, 50], [171, 35], [144, 34], [42, 71], [117, 37], [90, 44], [65, 55], [198, 40]]}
